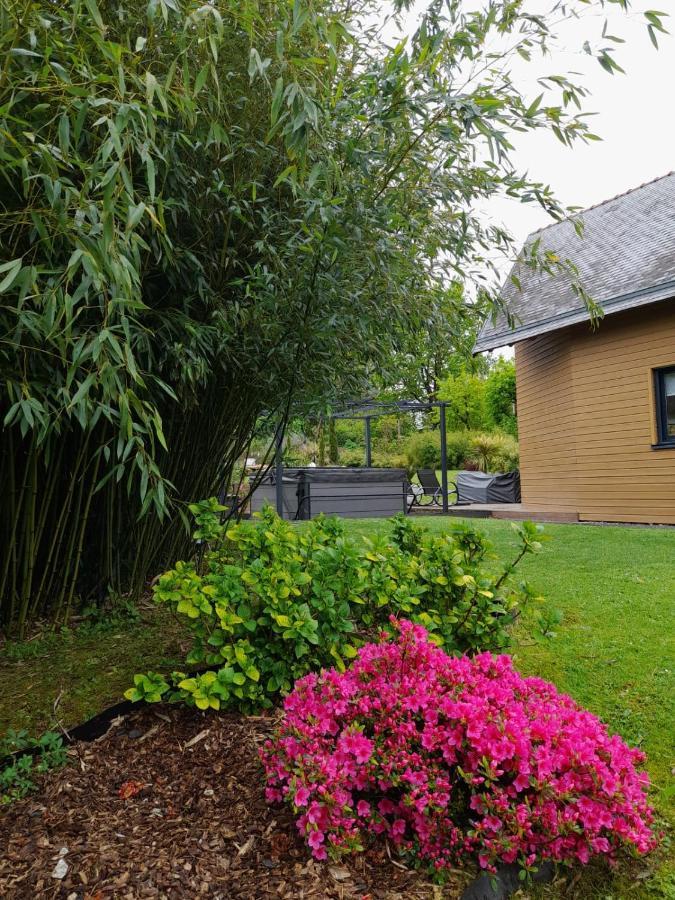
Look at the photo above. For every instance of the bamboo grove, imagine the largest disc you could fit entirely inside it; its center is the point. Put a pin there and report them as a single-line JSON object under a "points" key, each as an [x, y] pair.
{"points": [[209, 212]]}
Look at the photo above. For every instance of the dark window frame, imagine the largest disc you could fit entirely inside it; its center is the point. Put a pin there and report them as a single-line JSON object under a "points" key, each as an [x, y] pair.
{"points": [[663, 439]]}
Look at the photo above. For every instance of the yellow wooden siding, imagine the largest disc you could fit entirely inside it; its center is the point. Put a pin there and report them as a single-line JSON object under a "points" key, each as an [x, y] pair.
{"points": [[587, 419], [545, 419]]}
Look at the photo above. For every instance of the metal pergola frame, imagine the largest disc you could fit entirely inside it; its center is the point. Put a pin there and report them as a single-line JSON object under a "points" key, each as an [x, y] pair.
{"points": [[373, 409]]}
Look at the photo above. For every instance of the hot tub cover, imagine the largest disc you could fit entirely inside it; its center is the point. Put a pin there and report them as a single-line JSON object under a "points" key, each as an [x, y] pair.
{"points": [[352, 492], [343, 474]]}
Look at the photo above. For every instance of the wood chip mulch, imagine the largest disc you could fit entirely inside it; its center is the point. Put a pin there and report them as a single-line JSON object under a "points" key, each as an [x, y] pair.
{"points": [[170, 803]]}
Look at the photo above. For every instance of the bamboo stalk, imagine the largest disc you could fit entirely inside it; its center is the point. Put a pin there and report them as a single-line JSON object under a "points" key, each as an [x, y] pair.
{"points": [[45, 510], [60, 529], [28, 543], [83, 525], [11, 546], [67, 574], [7, 543]]}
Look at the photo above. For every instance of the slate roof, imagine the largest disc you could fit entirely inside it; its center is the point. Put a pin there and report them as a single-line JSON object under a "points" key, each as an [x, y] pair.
{"points": [[625, 257]]}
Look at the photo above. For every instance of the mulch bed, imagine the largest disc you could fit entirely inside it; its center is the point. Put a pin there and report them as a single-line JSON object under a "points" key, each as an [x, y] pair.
{"points": [[170, 803]]}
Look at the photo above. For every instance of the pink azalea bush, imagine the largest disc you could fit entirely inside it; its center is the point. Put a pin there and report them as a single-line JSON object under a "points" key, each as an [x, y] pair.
{"points": [[453, 756]]}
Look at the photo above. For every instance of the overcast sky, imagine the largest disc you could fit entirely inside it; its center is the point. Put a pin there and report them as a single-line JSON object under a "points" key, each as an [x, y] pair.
{"points": [[635, 118], [635, 113]]}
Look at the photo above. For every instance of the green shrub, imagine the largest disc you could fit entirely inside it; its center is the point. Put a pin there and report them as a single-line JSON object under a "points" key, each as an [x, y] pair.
{"points": [[350, 434], [16, 776], [494, 452], [384, 460], [466, 607], [507, 458], [353, 457], [270, 601], [458, 445], [423, 450]]}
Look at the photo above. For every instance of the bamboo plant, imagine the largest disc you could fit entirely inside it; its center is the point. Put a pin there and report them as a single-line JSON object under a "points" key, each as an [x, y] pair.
{"points": [[208, 212]]}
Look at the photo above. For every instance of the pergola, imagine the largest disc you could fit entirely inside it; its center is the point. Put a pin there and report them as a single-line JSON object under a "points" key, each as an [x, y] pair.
{"points": [[372, 409]]}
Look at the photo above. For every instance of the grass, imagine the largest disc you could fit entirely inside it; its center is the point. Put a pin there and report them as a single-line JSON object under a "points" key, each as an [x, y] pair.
{"points": [[63, 678], [614, 652]]}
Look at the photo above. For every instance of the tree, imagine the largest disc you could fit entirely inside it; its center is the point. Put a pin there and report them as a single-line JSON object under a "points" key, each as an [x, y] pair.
{"points": [[500, 395], [443, 340], [333, 451], [212, 212], [464, 396], [322, 443]]}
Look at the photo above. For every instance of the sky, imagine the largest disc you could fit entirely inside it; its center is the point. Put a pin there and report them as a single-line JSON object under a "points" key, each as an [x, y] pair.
{"points": [[634, 116], [635, 119], [635, 113]]}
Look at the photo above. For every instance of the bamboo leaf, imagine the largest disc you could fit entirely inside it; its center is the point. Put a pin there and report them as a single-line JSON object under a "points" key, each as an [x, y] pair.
{"points": [[95, 13], [200, 80], [150, 169], [83, 389], [150, 87], [283, 176], [12, 269], [64, 134], [135, 215]]}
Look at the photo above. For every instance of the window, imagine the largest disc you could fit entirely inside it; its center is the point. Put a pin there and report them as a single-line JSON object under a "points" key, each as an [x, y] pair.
{"points": [[665, 405]]}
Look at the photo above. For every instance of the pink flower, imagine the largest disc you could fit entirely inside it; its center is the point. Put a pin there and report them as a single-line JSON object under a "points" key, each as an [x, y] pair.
{"points": [[315, 839], [417, 732], [398, 828], [358, 745]]}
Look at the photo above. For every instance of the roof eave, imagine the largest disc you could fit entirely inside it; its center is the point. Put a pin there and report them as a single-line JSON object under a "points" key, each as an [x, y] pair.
{"points": [[664, 291]]}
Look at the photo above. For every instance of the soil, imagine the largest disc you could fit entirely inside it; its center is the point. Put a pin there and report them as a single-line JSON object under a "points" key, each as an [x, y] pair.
{"points": [[170, 803]]}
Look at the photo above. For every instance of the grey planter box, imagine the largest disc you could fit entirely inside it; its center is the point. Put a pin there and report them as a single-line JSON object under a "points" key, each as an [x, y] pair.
{"points": [[349, 492]]}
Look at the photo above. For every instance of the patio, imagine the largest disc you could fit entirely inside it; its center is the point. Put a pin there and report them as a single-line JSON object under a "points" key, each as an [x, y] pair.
{"points": [[512, 511]]}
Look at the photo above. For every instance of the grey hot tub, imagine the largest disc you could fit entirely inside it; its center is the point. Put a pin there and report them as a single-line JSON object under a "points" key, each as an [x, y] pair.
{"points": [[350, 492]]}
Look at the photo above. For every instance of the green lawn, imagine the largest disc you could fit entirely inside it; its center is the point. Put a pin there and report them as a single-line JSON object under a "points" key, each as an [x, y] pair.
{"points": [[66, 677], [614, 652]]}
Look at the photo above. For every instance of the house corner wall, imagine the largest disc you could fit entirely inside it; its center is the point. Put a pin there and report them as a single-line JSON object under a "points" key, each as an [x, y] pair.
{"points": [[586, 418], [545, 404]]}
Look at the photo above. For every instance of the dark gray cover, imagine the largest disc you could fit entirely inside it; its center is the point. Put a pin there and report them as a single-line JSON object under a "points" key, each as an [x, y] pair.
{"points": [[472, 487], [482, 487], [504, 488]]}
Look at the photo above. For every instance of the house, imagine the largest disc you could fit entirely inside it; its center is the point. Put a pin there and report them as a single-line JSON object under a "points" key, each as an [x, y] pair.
{"points": [[596, 406]]}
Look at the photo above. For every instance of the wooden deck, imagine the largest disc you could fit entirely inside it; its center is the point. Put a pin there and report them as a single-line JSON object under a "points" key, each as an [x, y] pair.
{"points": [[513, 511]]}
